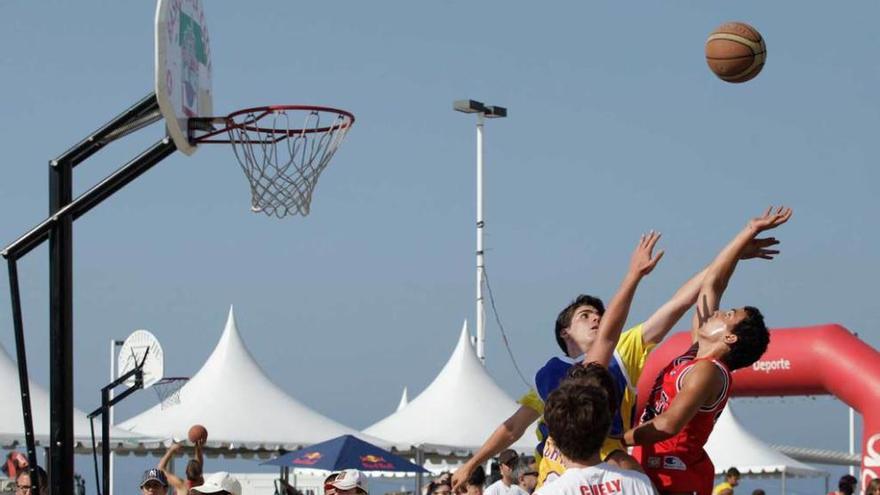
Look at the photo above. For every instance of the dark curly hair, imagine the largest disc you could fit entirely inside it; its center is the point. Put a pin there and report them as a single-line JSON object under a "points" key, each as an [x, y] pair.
{"points": [[565, 316], [752, 338], [578, 418], [598, 376], [478, 477]]}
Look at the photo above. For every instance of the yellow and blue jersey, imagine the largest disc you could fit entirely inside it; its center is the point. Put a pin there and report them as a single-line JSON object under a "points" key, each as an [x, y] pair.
{"points": [[625, 367]]}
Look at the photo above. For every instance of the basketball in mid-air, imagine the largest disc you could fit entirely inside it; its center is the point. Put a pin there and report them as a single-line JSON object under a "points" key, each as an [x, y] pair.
{"points": [[197, 434], [735, 52]]}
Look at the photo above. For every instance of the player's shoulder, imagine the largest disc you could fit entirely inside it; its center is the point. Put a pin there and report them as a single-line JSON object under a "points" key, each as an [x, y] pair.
{"points": [[555, 368], [632, 481], [558, 485]]}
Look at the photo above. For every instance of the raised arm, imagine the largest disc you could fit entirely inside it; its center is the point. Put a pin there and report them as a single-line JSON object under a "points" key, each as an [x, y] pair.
{"points": [[742, 246], [701, 384], [199, 456], [641, 263], [503, 437], [656, 327], [178, 484]]}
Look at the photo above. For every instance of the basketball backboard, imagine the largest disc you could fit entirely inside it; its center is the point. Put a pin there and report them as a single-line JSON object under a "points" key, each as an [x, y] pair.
{"points": [[137, 346], [183, 67]]}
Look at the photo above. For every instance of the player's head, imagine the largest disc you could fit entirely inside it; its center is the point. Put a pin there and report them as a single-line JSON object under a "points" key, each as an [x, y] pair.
{"points": [[578, 419], [596, 375], [847, 484], [732, 476], [577, 323], [194, 472], [741, 332]]}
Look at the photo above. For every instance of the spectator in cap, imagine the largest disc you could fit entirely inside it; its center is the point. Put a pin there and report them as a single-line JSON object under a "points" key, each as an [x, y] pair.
{"points": [[24, 486], [507, 485], [154, 482], [221, 483], [846, 485], [758, 491], [347, 482]]}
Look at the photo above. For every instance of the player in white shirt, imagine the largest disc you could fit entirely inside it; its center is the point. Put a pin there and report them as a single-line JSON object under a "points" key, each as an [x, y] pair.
{"points": [[578, 416]]}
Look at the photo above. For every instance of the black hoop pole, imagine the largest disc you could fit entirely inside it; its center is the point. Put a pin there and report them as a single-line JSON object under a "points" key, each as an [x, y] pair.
{"points": [[23, 382], [58, 230]]}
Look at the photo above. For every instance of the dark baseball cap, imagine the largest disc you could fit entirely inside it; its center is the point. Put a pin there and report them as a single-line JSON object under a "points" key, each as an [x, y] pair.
{"points": [[507, 456], [154, 475]]}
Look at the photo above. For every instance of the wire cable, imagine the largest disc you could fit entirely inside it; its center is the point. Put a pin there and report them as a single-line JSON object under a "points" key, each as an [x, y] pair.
{"points": [[501, 328]]}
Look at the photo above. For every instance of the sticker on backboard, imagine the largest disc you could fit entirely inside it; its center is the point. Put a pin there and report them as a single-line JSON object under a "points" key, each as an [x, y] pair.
{"points": [[183, 67]]}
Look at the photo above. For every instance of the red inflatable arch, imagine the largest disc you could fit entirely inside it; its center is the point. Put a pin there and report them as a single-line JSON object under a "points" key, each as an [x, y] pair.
{"points": [[819, 360]]}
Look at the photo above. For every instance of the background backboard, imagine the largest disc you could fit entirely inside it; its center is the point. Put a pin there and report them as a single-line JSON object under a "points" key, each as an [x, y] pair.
{"points": [[183, 67]]}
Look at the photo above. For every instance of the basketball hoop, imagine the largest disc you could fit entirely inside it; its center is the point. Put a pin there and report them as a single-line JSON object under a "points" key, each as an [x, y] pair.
{"points": [[168, 390], [282, 149]]}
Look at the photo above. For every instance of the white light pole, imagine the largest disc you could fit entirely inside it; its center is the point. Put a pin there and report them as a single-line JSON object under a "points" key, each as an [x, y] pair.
{"points": [[483, 112], [852, 437]]}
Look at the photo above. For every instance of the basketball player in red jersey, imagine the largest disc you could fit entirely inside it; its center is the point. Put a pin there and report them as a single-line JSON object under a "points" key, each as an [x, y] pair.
{"points": [[692, 390]]}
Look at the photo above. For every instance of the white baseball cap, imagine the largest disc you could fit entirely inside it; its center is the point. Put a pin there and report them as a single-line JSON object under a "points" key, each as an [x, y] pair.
{"points": [[348, 479], [219, 482]]}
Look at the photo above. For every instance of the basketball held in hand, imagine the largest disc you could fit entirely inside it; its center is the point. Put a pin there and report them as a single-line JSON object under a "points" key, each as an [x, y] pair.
{"points": [[197, 434], [735, 52]]}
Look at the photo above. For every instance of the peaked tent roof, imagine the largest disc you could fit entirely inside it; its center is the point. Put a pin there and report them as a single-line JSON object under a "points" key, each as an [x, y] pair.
{"points": [[240, 406], [404, 400], [731, 445], [463, 405], [12, 424]]}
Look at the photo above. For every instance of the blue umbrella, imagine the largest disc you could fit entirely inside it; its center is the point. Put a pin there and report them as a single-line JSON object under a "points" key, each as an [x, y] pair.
{"points": [[345, 452]]}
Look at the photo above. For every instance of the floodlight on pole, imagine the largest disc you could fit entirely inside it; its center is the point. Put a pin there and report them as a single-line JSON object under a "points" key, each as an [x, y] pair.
{"points": [[483, 112]]}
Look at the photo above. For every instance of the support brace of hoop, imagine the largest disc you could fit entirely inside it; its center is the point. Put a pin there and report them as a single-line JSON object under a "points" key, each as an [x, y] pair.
{"points": [[104, 411], [58, 229]]}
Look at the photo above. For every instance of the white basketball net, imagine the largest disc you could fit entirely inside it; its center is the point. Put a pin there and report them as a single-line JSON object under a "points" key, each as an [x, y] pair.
{"points": [[168, 390], [283, 152]]}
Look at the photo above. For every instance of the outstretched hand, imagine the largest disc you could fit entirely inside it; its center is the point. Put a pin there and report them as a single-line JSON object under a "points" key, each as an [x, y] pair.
{"points": [[770, 219], [460, 477], [758, 248], [643, 260]]}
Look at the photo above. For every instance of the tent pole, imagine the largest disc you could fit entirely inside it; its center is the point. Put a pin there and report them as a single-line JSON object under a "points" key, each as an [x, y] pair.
{"points": [[420, 460], [783, 482]]}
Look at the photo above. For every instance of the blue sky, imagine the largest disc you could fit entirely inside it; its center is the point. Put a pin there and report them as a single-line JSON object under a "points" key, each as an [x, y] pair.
{"points": [[616, 126]]}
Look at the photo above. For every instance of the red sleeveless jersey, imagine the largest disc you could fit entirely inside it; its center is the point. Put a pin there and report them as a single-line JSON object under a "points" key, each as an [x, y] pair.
{"points": [[687, 446]]}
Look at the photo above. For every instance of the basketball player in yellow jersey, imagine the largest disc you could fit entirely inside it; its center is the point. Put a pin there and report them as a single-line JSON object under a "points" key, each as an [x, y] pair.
{"points": [[576, 329]]}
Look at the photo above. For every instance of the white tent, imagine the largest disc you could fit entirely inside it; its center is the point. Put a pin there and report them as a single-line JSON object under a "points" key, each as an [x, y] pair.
{"points": [[404, 400], [12, 424], [239, 405], [731, 445], [463, 406]]}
